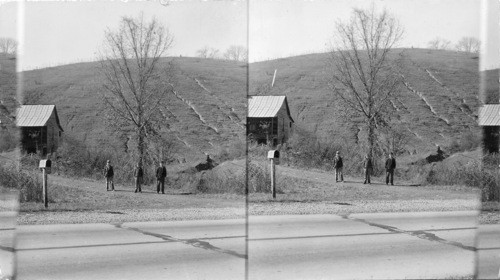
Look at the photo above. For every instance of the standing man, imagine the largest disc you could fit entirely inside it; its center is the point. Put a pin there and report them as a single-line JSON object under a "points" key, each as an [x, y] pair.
{"points": [[338, 164], [161, 173], [368, 168], [108, 173], [138, 174], [390, 165]]}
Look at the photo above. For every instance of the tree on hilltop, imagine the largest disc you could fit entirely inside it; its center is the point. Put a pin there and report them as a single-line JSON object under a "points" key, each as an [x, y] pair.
{"points": [[468, 45], [236, 53], [439, 44], [207, 52], [360, 71], [8, 45], [135, 84]]}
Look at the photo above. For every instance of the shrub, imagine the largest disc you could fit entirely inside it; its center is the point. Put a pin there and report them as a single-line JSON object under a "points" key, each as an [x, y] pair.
{"points": [[473, 174], [8, 140], [29, 184], [258, 177], [235, 150], [217, 181]]}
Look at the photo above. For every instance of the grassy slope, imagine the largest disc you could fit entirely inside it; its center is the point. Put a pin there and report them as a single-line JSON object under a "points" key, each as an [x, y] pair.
{"points": [[207, 113], [442, 106], [8, 84]]}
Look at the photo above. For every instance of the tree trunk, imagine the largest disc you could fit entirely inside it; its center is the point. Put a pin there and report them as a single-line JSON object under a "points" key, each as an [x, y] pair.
{"points": [[371, 136], [140, 145]]}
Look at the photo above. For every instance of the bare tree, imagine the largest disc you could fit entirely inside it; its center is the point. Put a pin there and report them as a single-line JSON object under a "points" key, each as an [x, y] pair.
{"points": [[203, 52], [362, 76], [468, 45], [135, 83], [8, 45], [213, 53], [439, 44], [207, 52], [236, 53]]}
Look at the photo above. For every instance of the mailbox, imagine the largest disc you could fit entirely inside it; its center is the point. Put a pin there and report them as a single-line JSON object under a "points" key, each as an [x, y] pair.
{"points": [[46, 164], [274, 155]]}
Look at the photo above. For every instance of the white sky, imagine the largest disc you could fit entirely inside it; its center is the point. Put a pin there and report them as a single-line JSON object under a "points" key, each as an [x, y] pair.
{"points": [[66, 32], [293, 27]]}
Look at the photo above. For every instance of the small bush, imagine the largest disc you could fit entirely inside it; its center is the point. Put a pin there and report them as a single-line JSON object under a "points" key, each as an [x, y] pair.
{"points": [[8, 139], [216, 181], [233, 151], [29, 184], [259, 178], [473, 174]]}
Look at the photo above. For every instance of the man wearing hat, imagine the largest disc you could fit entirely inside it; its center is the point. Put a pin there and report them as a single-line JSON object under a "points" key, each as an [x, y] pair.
{"points": [[161, 173], [138, 175], [108, 173], [338, 164], [368, 168], [390, 165]]}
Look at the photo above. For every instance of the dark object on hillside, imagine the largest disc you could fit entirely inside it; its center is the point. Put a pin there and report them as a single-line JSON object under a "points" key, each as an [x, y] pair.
{"points": [[209, 164], [439, 156]]}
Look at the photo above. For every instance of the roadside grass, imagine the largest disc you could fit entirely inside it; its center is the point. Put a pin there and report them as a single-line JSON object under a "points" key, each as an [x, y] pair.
{"points": [[303, 190], [88, 195]]}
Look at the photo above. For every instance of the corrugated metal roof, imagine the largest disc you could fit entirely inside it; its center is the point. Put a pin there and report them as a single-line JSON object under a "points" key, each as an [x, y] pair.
{"points": [[35, 115], [264, 106], [489, 115]]}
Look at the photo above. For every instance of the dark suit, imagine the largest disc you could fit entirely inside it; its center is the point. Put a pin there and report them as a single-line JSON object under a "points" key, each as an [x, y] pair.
{"points": [[368, 168], [138, 174], [161, 173], [109, 173], [390, 165]]}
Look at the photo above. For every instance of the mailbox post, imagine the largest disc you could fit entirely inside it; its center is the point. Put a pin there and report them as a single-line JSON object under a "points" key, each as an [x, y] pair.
{"points": [[274, 156], [46, 167]]}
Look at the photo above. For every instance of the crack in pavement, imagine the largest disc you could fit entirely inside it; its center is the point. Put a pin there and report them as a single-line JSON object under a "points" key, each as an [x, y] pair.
{"points": [[192, 242], [417, 233], [8, 249]]}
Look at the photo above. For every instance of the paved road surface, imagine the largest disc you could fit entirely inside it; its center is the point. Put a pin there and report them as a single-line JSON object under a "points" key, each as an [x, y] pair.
{"points": [[7, 239], [488, 252], [363, 246], [152, 250]]}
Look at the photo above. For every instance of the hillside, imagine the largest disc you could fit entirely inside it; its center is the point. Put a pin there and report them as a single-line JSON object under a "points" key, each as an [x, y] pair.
{"points": [[8, 103], [8, 84], [436, 103], [206, 112]]}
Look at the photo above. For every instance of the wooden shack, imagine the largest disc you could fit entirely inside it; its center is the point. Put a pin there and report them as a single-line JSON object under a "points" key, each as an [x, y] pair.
{"points": [[269, 120], [489, 120], [41, 131]]}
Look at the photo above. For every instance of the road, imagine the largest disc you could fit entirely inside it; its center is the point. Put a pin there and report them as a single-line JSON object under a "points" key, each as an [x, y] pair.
{"points": [[362, 246], [7, 240], [358, 246], [150, 250], [488, 252]]}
